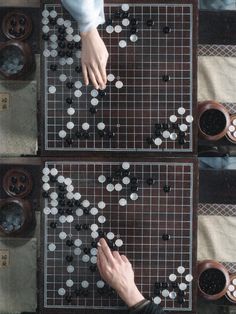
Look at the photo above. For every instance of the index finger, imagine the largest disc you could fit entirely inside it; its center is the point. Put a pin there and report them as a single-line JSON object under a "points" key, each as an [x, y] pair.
{"points": [[106, 250]]}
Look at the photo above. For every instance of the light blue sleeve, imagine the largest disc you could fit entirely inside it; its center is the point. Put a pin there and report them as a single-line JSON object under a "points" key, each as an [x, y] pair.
{"points": [[88, 13]]}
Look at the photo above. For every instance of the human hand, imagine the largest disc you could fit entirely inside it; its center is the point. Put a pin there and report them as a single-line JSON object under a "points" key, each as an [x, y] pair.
{"points": [[117, 271], [94, 57]]}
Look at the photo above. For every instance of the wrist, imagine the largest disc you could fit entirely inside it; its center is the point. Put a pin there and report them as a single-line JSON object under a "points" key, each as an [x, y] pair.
{"points": [[88, 33], [131, 296]]}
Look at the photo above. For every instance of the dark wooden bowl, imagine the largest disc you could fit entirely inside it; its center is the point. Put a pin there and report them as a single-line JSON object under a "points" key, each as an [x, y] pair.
{"points": [[209, 269], [207, 112], [17, 182], [16, 25]]}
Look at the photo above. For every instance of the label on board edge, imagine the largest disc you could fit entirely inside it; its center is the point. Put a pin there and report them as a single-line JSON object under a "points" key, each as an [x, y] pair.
{"points": [[4, 258], [4, 101]]}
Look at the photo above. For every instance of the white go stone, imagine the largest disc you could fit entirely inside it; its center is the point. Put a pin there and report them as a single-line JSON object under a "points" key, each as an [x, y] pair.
{"points": [[125, 165], [77, 38], [110, 77], [79, 212], [101, 205], [231, 128], [181, 270], [93, 211], [189, 119], [94, 93], [231, 288], [172, 295], [78, 54], [119, 243], [125, 7], [61, 291], [78, 242], [165, 293], [85, 126], [234, 122], [46, 53], [109, 29], [45, 21], [93, 259], [85, 284], [101, 126], [62, 77], [119, 84], [234, 294], [78, 84], [172, 277], [69, 61], [62, 134], [234, 281], [101, 219], [70, 195], [54, 45], [71, 111], [182, 286], [94, 101], [54, 53], [62, 235], [67, 23], [69, 219], [118, 28], [70, 125], [234, 134], [70, 269], [69, 30], [69, 283], [60, 21], [77, 251], [69, 37], [53, 14], [45, 178], [166, 134], [125, 22], [54, 172], [52, 247], [54, 203], [157, 300], [45, 13], [52, 89], [134, 196], [100, 284], [62, 61], [86, 203], [54, 211], [85, 258], [123, 202], [133, 38], [70, 188], [118, 187], [122, 43], [188, 277], [173, 136], [62, 219], [53, 37], [46, 187], [94, 227], [94, 234], [101, 178], [78, 93], [77, 196], [110, 187], [46, 171], [181, 110], [45, 29], [110, 236], [158, 141], [183, 127], [93, 251], [126, 180], [47, 210]]}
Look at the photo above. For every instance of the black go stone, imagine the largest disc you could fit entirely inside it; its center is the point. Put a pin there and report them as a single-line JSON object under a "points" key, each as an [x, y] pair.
{"points": [[61, 44], [101, 93], [85, 293], [133, 30], [134, 180], [180, 300], [69, 141], [61, 29], [181, 293], [133, 22], [45, 194], [117, 15], [52, 21], [13, 22], [79, 134], [69, 100], [45, 37], [78, 46], [78, 227], [165, 126], [101, 133], [70, 85], [101, 291], [61, 196], [79, 292], [61, 37], [23, 179], [86, 135], [157, 132], [111, 134], [111, 292], [22, 21], [166, 188], [182, 134], [69, 53], [125, 15], [61, 53], [157, 285], [85, 226], [174, 285], [77, 203], [78, 69], [109, 179], [14, 180], [150, 23], [86, 250], [158, 126], [61, 211], [53, 67], [175, 126], [69, 211], [134, 188], [62, 202], [53, 179], [166, 78], [68, 298], [181, 141], [71, 46], [93, 110], [12, 188], [86, 211], [165, 237], [101, 233], [125, 173], [111, 244], [94, 244], [149, 140], [62, 188], [53, 225], [166, 30], [108, 22], [150, 181], [93, 268], [69, 242], [164, 285], [157, 291], [69, 258]]}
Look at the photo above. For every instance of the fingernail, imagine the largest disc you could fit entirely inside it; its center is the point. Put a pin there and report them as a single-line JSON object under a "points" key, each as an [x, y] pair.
{"points": [[99, 244]]}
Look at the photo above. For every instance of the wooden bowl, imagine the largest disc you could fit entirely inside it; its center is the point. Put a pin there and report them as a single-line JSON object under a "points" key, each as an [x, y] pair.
{"points": [[17, 25], [213, 279], [213, 120], [17, 182]]}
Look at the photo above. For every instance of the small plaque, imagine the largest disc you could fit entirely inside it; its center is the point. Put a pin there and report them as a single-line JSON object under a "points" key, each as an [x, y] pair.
{"points": [[4, 258], [4, 101]]}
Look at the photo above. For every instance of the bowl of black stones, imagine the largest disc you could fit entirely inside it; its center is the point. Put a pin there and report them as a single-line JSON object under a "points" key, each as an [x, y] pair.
{"points": [[16, 59], [213, 120], [213, 279], [16, 217]]}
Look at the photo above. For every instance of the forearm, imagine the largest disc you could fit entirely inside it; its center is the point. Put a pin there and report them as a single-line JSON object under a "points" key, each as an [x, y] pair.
{"points": [[147, 307]]}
